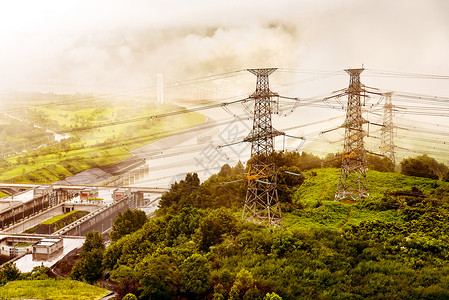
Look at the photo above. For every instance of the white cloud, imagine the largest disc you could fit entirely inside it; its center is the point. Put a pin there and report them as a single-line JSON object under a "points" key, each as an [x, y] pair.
{"points": [[97, 45]]}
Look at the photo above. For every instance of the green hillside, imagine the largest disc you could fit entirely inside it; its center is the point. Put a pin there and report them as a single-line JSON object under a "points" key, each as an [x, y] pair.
{"points": [[391, 245], [316, 197], [51, 289]]}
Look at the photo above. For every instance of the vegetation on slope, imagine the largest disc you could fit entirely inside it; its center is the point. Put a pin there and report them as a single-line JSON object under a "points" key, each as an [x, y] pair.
{"points": [[60, 217], [51, 289], [35, 156], [37, 285], [392, 244]]}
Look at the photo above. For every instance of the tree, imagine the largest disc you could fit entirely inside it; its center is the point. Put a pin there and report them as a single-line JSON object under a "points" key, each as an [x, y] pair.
{"points": [[89, 266], [128, 286], [219, 292], [244, 287], [238, 169], [212, 228], [417, 167], [9, 272], [180, 193], [38, 273], [128, 222], [439, 169], [332, 160], [225, 170], [381, 164], [129, 297], [94, 240], [289, 179], [159, 277], [182, 225], [195, 274], [303, 161]]}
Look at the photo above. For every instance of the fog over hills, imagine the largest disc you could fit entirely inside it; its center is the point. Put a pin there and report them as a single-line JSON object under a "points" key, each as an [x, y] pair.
{"points": [[110, 46]]}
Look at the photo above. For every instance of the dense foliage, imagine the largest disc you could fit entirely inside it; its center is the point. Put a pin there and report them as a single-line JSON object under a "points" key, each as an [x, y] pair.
{"points": [[89, 266], [424, 166], [393, 244], [9, 272], [216, 255], [126, 223]]}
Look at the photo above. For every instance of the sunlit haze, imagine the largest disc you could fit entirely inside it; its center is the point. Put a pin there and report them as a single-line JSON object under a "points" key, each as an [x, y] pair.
{"points": [[110, 46]]}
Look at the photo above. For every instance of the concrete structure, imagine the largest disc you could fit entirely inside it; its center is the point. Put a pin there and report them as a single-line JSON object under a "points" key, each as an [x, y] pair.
{"points": [[52, 200], [42, 190], [89, 192], [120, 193], [26, 262], [100, 220], [46, 249], [35, 219], [13, 246]]}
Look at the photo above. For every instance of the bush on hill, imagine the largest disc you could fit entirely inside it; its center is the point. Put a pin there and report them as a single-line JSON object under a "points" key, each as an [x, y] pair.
{"points": [[424, 166]]}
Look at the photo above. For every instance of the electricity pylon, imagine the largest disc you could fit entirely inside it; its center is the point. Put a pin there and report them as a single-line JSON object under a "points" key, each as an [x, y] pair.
{"points": [[386, 143], [352, 182], [262, 202]]}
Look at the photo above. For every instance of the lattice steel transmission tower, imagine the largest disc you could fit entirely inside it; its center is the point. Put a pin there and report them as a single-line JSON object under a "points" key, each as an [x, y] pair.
{"points": [[386, 143], [352, 182], [262, 202]]}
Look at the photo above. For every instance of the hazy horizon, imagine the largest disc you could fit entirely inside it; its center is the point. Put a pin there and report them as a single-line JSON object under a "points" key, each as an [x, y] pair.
{"points": [[113, 46]]}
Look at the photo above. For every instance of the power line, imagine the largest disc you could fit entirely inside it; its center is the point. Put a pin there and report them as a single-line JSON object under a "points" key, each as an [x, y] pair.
{"points": [[383, 73]]}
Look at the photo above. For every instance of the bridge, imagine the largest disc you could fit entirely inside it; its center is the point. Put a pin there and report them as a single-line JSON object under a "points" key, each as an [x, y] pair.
{"points": [[19, 187]]}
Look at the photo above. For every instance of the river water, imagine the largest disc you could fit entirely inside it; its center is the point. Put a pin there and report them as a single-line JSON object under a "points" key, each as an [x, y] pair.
{"points": [[58, 137]]}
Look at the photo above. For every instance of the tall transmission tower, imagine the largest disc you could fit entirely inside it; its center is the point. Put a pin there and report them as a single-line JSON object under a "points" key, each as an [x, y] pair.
{"points": [[386, 143], [262, 202], [352, 182]]}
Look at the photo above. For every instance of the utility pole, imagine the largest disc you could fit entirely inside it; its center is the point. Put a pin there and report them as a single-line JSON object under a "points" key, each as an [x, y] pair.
{"points": [[352, 182], [386, 144], [262, 202]]}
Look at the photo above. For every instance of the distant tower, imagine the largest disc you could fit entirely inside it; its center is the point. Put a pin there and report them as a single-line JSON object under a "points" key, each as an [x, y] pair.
{"points": [[160, 88], [386, 144], [352, 182], [262, 203]]}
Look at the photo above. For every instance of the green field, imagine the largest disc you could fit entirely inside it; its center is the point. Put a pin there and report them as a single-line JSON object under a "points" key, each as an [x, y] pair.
{"points": [[102, 132], [51, 289]]}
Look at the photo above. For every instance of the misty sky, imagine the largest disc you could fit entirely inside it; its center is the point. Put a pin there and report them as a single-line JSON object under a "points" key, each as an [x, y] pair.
{"points": [[98, 46]]}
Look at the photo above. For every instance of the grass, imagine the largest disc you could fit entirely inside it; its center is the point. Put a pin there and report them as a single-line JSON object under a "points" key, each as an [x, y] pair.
{"points": [[316, 196], [51, 289], [320, 185], [336, 215], [58, 218], [23, 244]]}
